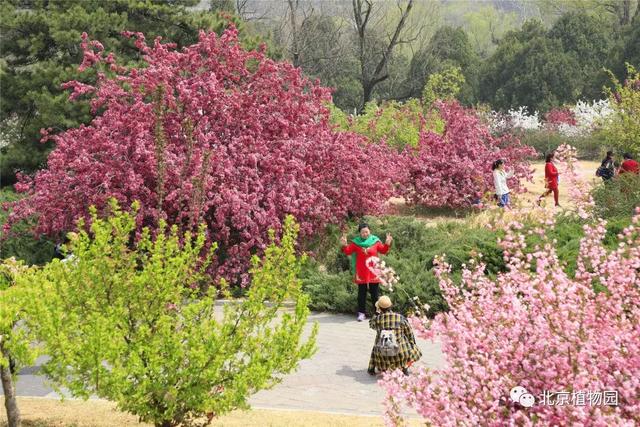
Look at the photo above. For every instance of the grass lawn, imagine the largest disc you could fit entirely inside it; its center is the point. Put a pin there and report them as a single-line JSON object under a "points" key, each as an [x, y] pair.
{"points": [[41, 412]]}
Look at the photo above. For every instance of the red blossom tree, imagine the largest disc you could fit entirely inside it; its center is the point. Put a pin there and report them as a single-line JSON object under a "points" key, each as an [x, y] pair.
{"points": [[559, 116], [211, 133], [454, 169]]}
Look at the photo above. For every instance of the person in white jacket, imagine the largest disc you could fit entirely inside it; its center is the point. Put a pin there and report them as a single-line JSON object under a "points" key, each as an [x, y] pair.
{"points": [[500, 176]]}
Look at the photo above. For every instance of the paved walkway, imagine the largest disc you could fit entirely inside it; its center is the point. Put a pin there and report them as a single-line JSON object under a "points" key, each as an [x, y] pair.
{"points": [[333, 380]]}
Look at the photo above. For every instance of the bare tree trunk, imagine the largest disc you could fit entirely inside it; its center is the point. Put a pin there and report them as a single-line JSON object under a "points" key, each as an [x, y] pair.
{"points": [[10, 403], [293, 12], [361, 14]]}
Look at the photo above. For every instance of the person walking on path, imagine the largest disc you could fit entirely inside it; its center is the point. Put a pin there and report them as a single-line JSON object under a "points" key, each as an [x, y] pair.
{"points": [[363, 247], [629, 165], [607, 170], [500, 176], [395, 345], [551, 180]]}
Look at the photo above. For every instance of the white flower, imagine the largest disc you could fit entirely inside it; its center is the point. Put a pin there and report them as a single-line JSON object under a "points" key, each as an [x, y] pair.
{"points": [[520, 119]]}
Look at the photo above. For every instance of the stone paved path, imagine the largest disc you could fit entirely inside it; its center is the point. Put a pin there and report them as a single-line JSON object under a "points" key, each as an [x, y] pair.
{"points": [[333, 380]]}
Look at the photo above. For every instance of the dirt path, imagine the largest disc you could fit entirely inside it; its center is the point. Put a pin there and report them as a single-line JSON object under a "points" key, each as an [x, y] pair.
{"points": [[432, 217]]}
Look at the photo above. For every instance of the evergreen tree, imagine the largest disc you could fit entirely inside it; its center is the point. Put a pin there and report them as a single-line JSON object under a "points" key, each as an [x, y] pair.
{"points": [[40, 50]]}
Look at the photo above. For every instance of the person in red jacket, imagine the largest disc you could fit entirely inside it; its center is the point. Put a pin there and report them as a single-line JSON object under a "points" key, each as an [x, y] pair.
{"points": [[363, 247], [551, 179], [629, 165]]}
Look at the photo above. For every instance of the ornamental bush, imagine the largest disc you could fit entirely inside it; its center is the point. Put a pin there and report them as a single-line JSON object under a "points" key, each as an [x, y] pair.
{"points": [[210, 133], [453, 169], [618, 197], [536, 327], [328, 281], [590, 146], [623, 127], [394, 123], [126, 321]]}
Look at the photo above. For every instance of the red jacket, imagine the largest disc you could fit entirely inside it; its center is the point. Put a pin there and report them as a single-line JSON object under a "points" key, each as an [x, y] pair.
{"points": [[551, 175], [363, 274], [630, 165]]}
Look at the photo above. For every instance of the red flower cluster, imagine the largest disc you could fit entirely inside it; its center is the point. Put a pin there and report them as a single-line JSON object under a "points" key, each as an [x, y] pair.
{"points": [[450, 169], [211, 133], [559, 116]]}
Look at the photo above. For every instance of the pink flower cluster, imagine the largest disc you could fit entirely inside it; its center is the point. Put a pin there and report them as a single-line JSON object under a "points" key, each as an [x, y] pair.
{"points": [[535, 327], [579, 190], [210, 133], [449, 169], [387, 275]]}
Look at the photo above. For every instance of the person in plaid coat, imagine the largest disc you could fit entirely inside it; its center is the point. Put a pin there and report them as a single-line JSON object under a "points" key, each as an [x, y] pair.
{"points": [[408, 351]]}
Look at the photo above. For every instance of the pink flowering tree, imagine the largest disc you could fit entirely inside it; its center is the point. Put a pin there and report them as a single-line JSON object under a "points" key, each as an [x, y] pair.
{"points": [[571, 343], [453, 169], [210, 133], [579, 190]]}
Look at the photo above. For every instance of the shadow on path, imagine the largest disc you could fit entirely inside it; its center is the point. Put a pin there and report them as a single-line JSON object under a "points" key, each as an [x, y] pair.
{"points": [[359, 375]]}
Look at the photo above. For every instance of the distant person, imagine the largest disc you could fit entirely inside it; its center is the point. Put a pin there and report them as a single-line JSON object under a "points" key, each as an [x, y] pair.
{"points": [[62, 251], [607, 168], [363, 247], [629, 165], [395, 345], [551, 180], [500, 176]]}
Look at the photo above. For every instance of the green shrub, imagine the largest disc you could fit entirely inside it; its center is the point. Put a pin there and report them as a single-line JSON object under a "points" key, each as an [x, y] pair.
{"points": [[397, 123], [618, 197], [131, 322], [622, 129], [22, 244], [590, 147], [328, 281]]}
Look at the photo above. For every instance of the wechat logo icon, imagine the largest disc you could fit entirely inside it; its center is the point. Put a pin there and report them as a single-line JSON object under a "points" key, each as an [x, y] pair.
{"points": [[520, 395]]}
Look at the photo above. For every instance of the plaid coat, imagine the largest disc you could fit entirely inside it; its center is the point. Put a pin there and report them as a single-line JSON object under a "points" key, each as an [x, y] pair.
{"points": [[409, 351]]}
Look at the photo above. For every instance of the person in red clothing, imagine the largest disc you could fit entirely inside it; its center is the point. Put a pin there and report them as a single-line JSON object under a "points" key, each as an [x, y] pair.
{"points": [[363, 247], [551, 179], [629, 165]]}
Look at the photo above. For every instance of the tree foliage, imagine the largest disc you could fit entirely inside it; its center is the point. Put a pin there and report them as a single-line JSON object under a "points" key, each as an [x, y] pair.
{"points": [[127, 321], [394, 123], [40, 51], [212, 133], [449, 47], [589, 42], [16, 332], [622, 128], [541, 69], [21, 243], [486, 25], [444, 86]]}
